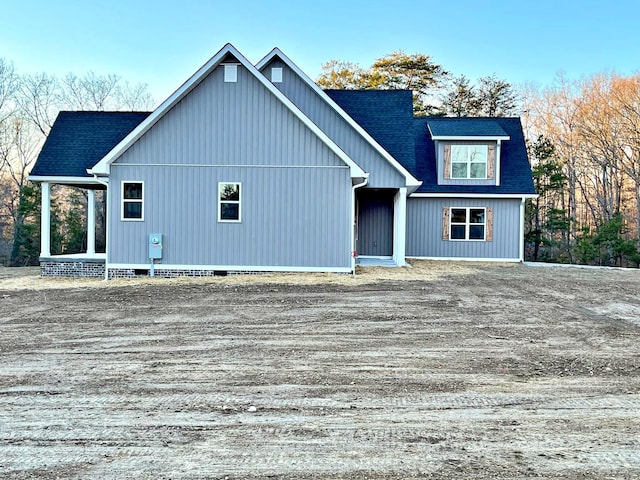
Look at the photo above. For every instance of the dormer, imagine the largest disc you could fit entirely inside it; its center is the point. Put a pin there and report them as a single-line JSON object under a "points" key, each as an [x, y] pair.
{"points": [[467, 150]]}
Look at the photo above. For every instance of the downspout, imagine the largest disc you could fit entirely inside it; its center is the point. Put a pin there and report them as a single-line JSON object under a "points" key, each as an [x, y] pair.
{"points": [[106, 221], [353, 221]]}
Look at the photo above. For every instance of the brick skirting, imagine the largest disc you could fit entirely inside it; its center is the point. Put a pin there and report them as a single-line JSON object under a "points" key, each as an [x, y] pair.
{"points": [[69, 268]]}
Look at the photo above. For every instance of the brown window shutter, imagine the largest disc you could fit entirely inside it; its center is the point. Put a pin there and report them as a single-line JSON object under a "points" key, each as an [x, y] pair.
{"points": [[445, 223], [489, 225], [447, 161], [491, 162]]}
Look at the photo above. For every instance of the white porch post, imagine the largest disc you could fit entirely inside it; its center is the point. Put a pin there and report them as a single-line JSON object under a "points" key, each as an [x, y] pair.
{"points": [[400, 226], [45, 220], [91, 222]]}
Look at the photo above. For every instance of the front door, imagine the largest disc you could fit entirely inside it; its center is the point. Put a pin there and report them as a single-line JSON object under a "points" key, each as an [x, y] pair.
{"points": [[375, 222]]}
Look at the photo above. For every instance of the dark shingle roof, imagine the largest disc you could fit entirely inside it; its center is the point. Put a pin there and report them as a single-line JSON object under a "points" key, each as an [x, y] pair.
{"points": [[386, 115], [78, 140], [467, 127], [515, 172]]}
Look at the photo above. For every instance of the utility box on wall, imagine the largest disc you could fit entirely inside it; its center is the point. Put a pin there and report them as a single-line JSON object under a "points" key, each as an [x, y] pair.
{"points": [[155, 245]]}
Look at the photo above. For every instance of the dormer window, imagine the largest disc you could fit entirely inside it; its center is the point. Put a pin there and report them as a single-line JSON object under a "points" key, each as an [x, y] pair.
{"points": [[469, 161], [467, 150]]}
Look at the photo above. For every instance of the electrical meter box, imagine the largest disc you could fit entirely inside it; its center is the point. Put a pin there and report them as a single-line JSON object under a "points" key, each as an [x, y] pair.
{"points": [[155, 245]]}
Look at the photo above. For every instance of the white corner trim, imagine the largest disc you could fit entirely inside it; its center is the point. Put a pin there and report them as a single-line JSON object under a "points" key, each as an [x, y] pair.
{"points": [[518, 196], [411, 181], [102, 167]]}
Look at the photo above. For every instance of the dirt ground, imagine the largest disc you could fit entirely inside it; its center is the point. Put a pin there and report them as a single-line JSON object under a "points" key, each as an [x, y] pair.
{"points": [[443, 371]]}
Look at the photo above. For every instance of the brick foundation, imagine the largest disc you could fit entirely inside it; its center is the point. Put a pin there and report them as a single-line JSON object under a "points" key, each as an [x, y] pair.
{"points": [[69, 268]]}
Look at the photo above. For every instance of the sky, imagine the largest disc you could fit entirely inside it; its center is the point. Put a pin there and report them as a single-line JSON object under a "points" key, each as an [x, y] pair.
{"points": [[161, 42]]}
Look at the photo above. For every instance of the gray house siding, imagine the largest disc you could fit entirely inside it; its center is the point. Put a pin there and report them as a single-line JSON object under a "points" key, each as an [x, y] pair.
{"points": [[222, 123], [290, 217], [424, 229], [296, 195], [382, 174]]}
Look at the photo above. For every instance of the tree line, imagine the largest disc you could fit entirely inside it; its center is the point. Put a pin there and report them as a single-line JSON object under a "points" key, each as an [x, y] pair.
{"points": [[29, 104]]}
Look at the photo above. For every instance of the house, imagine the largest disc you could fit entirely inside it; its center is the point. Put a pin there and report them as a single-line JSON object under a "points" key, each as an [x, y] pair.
{"points": [[255, 168]]}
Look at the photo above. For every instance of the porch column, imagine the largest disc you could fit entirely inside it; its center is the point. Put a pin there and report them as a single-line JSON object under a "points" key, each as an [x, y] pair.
{"points": [[400, 226], [45, 220], [91, 222]]}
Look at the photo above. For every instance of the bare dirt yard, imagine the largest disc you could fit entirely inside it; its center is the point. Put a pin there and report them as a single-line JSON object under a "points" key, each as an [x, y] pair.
{"points": [[443, 371]]}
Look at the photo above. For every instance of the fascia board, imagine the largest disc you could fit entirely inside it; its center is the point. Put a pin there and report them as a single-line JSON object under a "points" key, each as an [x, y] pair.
{"points": [[470, 137], [474, 195], [62, 179], [411, 181], [102, 167]]}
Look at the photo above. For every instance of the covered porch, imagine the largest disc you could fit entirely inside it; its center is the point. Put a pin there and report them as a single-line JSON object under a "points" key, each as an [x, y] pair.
{"points": [[89, 263], [381, 216]]}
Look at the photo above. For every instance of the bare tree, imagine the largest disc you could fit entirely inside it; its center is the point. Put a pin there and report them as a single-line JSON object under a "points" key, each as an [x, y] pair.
{"points": [[90, 92], [38, 97]]}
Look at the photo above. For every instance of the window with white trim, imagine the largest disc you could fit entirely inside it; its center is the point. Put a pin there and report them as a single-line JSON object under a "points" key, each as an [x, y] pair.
{"points": [[469, 161], [229, 201], [467, 223], [132, 201]]}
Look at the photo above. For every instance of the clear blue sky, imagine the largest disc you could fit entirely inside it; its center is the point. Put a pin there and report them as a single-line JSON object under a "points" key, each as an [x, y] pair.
{"points": [[163, 42]]}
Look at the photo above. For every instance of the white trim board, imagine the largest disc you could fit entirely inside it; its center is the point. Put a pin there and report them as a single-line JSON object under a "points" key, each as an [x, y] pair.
{"points": [[474, 195], [411, 181], [469, 137], [468, 259], [67, 180], [242, 268], [102, 167]]}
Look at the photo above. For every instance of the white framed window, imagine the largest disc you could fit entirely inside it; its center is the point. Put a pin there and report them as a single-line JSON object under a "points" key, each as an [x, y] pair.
{"points": [[229, 201], [469, 161], [468, 223], [276, 74], [230, 73], [132, 205]]}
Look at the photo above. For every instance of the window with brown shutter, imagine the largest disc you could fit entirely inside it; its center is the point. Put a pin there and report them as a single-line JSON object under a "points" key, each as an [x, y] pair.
{"points": [[467, 224]]}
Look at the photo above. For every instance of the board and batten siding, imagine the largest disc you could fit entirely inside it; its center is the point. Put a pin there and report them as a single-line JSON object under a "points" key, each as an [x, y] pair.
{"points": [[381, 173], [296, 194], [424, 229], [293, 217]]}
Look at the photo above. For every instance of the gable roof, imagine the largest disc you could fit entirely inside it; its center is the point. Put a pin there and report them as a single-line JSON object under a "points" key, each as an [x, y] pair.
{"points": [[515, 171], [78, 140], [459, 128], [227, 53], [411, 181]]}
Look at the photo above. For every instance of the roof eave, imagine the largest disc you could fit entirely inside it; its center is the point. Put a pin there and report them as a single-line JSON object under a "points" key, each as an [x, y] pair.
{"points": [[62, 179], [474, 195], [471, 137]]}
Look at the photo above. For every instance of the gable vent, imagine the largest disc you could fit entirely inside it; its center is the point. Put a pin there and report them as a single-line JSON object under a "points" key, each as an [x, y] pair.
{"points": [[276, 74], [230, 73]]}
